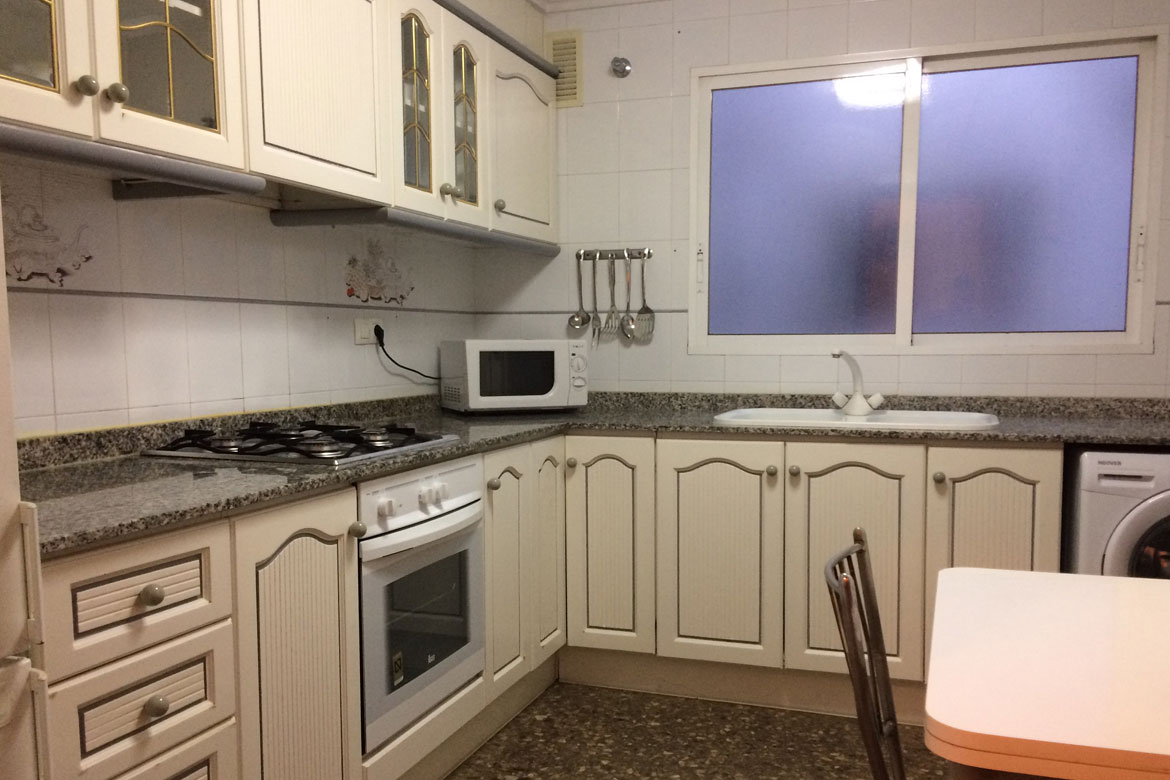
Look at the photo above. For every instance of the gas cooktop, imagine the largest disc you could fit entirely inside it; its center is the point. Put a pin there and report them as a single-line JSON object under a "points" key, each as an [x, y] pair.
{"points": [[308, 442]]}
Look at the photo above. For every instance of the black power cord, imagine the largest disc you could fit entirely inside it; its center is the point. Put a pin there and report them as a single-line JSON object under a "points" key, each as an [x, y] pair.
{"points": [[380, 337]]}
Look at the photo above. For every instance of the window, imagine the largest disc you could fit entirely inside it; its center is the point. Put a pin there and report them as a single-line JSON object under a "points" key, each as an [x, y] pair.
{"points": [[967, 202]]}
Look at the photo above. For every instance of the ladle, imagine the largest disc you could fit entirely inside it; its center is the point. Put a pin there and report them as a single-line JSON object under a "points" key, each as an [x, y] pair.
{"points": [[579, 320]]}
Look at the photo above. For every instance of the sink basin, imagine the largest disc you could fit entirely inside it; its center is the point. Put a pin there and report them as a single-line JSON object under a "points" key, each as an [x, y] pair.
{"points": [[892, 419]]}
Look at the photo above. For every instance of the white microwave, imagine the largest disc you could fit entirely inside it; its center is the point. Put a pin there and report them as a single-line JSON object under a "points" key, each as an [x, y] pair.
{"points": [[483, 375]]}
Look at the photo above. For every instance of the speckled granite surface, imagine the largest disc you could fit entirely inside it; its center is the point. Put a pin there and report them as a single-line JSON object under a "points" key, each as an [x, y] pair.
{"points": [[579, 731], [102, 501]]}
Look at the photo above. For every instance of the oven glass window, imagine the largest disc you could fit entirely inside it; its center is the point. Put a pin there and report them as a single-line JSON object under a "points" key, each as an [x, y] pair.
{"points": [[427, 619], [1151, 557], [516, 373]]}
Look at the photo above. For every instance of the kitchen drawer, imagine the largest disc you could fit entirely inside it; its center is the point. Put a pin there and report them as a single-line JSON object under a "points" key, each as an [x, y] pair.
{"points": [[106, 604], [102, 719], [213, 755]]}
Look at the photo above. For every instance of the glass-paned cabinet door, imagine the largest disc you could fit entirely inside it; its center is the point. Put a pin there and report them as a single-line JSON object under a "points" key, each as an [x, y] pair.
{"points": [[28, 42], [167, 52], [416, 103], [465, 124]]}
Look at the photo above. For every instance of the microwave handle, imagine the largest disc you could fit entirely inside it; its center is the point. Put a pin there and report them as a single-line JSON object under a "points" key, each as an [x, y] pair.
{"points": [[421, 534]]}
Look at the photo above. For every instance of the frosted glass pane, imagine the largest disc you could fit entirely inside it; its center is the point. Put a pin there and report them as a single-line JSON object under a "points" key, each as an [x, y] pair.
{"points": [[1025, 179], [804, 207]]}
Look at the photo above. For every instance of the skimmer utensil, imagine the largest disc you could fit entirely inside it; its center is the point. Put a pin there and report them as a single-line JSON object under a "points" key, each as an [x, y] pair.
{"points": [[644, 320]]}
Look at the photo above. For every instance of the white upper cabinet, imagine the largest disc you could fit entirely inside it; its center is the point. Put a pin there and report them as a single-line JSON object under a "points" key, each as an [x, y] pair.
{"points": [[156, 75], [438, 113], [317, 93], [523, 172]]}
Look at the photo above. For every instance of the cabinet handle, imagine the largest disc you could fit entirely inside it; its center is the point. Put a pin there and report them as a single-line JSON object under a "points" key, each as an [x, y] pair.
{"points": [[156, 706], [939, 477], [772, 471], [500, 204], [118, 92], [87, 85], [794, 471], [493, 484], [152, 595], [451, 190], [357, 529], [571, 462]]}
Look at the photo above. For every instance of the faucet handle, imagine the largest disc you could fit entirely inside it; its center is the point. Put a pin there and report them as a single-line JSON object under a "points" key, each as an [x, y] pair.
{"points": [[840, 399], [876, 400]]}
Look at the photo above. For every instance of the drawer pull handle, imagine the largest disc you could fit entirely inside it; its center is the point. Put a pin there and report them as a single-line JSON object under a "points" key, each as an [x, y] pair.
{"points": [[152, 595], [493, 484], [87, 85], [156, 706], [772, 471], [118, 92], [571, 463], [794, 471], [939, 477]]}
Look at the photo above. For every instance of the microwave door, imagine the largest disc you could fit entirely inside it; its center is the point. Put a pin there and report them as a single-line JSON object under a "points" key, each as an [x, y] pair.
{"points": [[517, 374]]}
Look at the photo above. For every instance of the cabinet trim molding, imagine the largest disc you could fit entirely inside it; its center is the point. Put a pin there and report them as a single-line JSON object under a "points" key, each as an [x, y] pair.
{"points": [[995, 470], [504, 76], [709, 461], [317, 535]]}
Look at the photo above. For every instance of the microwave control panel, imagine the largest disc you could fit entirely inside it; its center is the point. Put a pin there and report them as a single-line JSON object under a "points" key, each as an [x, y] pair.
{"points": [[578, 366]]}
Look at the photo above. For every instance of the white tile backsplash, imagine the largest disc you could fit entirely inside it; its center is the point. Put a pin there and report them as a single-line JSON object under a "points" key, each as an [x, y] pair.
{"points": [[758, 37], [818, 31], [592, 133], [214, 351], [878, 25], [1001, 19], [32, 356], [151, 245], [650, 50], [1134, 13], [89, 356], [645, 206], [156, 352], [1065, 16], [698, 43], [935, 22], [209, 249], [644, 129]]}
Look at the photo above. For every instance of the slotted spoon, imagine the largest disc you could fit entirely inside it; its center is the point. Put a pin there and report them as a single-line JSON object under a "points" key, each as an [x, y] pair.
{"points": [[644, 319]]}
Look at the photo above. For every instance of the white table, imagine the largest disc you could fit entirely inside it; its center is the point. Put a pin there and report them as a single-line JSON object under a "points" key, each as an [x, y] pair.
{"points": [[1059, 675]]}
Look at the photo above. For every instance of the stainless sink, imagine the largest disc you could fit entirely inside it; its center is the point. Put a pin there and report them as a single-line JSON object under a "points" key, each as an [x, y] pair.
{"points": [[892, 419]]}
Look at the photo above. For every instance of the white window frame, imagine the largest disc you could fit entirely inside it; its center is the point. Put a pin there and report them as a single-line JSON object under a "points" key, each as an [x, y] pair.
{"points": [[1148, 44]]}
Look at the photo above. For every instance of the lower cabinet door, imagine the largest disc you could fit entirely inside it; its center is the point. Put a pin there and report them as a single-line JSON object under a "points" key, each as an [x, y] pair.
{"points": [[832, 489], [721, 551], [297, 583], [609, 495], [547, 572]]}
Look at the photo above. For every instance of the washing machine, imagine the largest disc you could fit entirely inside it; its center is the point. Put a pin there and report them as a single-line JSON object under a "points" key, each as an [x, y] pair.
{"points": [[1120, 519]]}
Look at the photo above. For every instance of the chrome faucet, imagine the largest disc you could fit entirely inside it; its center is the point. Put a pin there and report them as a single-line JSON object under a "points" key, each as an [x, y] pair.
{"points": [[856, 405]]}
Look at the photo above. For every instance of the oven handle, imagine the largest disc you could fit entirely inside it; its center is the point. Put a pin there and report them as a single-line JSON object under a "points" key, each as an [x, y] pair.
{"points": [[421, 534]]}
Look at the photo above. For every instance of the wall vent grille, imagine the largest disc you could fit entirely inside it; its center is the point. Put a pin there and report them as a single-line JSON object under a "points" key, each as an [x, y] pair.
{"points": [[564, 50]]}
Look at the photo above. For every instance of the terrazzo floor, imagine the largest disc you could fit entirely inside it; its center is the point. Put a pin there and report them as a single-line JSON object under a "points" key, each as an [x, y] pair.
{"points": [[584, 732]]}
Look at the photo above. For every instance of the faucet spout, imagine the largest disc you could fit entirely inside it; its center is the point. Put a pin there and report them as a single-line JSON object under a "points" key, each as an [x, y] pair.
{"points": [[856, 405]]}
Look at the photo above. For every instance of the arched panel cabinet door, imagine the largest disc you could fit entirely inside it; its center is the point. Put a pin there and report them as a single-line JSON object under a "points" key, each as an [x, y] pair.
{"points": [[296, 595], [830, 490], [721, 551], [609, 498], [993, 508], [548, 633]]}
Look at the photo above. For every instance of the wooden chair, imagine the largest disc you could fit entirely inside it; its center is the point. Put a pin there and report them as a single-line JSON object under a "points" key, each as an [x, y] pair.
{"points": [[851, 590]]}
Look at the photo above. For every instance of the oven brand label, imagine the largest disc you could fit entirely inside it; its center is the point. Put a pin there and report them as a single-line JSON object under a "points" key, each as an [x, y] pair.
{"points": [[430, 658], [397, 668]]}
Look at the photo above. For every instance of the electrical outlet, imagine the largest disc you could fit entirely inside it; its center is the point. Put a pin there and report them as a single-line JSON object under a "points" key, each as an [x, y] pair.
{"points": [[363, 330]]}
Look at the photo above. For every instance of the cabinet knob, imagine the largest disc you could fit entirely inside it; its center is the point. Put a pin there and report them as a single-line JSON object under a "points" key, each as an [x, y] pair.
{"points": [[493, 484], [451, 190], [357, 529], [152, 595], [118, 92], [939, 477], [772, 471], [87, 85], [500, 204], [571, 462], [794, 471], [156, 706]]}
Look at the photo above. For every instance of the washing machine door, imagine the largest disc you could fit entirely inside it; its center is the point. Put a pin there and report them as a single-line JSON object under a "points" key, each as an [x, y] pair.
{"points": [[1140, 544]]}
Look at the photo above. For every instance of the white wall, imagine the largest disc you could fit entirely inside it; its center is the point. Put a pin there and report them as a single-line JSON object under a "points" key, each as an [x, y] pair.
{"points": [[625, 177], [199, 306]]}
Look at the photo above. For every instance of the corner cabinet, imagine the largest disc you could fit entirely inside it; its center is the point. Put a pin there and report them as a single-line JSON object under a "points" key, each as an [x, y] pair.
{"points": [[160, 76], [721, 551], [317, 94], [297, 618], [609, 494], [832, 489], [523, 170], [991, 508]]}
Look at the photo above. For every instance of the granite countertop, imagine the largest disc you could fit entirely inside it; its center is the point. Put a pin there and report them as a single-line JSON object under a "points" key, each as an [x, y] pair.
{"points": [[82, 505]]}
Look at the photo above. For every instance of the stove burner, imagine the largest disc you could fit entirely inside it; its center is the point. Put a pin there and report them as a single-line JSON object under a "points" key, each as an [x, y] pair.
{"points": [[321, 447], [228, 443]]}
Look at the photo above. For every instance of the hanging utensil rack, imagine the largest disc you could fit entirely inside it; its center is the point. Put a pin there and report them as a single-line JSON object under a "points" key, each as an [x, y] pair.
{"points": [[595, 255]]}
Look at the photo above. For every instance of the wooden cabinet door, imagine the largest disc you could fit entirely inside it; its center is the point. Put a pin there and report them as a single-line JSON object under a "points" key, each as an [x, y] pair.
{"points": [[418, 114], [609, 499], [180, 65], [991, 508], [547, 570], [38, 74], [297, 584], [524, 152], [721, 551], [318, 93], [507, 515], [466, 130], [832, 489]]}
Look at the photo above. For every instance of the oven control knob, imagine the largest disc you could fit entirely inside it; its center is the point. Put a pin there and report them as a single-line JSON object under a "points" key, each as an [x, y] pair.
{"points": [[386, 508], [422, 496], [444, 491]]}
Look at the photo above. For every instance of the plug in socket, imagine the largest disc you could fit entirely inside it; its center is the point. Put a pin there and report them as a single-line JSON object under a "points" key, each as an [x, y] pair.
{"points": [[363, 330]]}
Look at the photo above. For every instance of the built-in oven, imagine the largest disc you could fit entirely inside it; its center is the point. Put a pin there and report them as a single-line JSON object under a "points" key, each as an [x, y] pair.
{"points": [[422, 593]]}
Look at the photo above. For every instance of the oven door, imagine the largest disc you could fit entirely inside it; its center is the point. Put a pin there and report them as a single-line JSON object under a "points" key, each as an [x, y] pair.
{"points": [[422, 627]]}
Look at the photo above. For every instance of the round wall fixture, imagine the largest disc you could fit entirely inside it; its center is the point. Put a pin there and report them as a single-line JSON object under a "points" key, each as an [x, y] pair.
{"points": [[621, 67]]}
